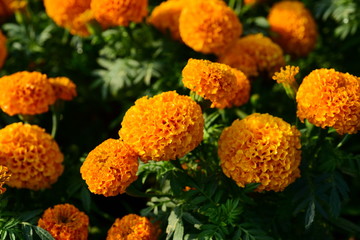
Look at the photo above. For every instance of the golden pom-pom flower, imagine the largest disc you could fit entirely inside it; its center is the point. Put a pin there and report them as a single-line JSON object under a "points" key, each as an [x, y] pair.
{"points": [[242, 93], [327, 98], [253, 54], [164, 127], [31, 155], [65, 222], [165, 17], [119, 12], [261, 149], [133, 227], [27, 93], [294, 27], [64, 88], [110, 168], [209, 26], [4, 177], [3, 49]]}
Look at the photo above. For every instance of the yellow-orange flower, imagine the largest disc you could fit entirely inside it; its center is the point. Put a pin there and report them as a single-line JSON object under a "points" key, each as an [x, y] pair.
{"points": [[165, 17], [254, 54], [133, 227], [119, 12], [286, 75], [165, 127], [242, 93], [110, 168], [327, 98], [4, 177], [3, 49], [26, 93], [294, 27], [69, 14], [8, 7], [261, 149], [63, 87], [31, 155], [209, 26], [65, 222]]}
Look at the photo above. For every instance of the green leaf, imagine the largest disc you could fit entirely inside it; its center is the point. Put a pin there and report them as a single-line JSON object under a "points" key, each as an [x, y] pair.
{"points": [[85, 198], [310, 214], [42, 233], [175, 225], [27, 231]]}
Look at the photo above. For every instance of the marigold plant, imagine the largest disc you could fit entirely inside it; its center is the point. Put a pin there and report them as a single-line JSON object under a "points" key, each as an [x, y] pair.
{"points": [[133, 227], [119, 12], [209, 26], [327, 98], [110, 168], [4, 177], [164, 127], [31, 155], [286, 77], [65, 222], [3, 49], [64, 88], [294, 27], [26, 93], [261, 149]]}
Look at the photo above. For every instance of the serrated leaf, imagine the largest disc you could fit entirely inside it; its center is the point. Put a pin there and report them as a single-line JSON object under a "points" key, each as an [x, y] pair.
{"points": [[175, 225], [42, 233]]}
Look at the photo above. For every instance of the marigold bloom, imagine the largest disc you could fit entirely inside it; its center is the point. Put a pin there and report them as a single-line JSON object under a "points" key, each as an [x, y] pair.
{"points": [[242, 94], [32, 156], [253, 2], [4, 177], [3, 49], [327, 98], [110, 168], [165, 17], [254, 54], [26, 93], [209, 26], [8, 7], [63, 87], [119, 12], [165, 127], [261, 149], [65, 222], [294, 27], [133, 227], [286, 77]]}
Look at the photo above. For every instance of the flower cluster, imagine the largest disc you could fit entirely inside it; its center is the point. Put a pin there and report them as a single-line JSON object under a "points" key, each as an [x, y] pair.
{"points": [[209, 26], [294, 26], [4, 177], [65, 222], [165, 127], [64, 88], [3, 49], [327, 98], [254, 54], [32, 156], [261, 149], [133, 227], [110, 168]]}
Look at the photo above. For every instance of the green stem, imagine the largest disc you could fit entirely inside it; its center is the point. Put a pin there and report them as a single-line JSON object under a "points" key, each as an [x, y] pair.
{"points": [[341, 143], [55, 121]]}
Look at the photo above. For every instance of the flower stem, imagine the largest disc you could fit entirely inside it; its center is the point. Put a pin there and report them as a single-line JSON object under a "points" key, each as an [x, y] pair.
{"points": [[55, 120]]}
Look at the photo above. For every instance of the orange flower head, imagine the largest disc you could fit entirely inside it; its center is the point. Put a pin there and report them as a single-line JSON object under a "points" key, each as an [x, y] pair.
{"points": [[242, 94], [4, 177], [27, 93], [286, 75], [8, 7], [110, 168], [69, 14], [209, 26], [213, 81], [165, 17], [64, 88], [119, 12], [253, 2], [165, 127], [294, 27], [254, 54], [327, 98], [261, 149], [3, 49], [65, 222], [31, 155], [133, 227]]}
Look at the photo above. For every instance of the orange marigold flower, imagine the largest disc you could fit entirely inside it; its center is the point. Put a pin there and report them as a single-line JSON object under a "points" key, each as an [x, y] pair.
{"points": [[253, 2], [3, 49], [242, 94], [8, 7], [64, 88], [119, 12], [4, 177], [133, 227], [26, 93], [110, 168], [165, 127], [286, 77], [32, 156], [327, 98], [254, 54], [65, 222], [261, 149], [165, 17], [68, 14], [209, 26], [294, 27]]}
